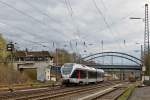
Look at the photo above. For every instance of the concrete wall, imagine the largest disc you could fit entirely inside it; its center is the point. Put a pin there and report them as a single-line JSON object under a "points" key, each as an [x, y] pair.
{"points": [[42, 68]]}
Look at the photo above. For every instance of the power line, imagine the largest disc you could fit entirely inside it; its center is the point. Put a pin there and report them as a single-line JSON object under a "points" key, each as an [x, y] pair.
{"points": [[33, 42], [102, 2], [109, 17], [104, 19], [19, 11], [40, 11], [19, 27], [120, 19], [100, 12], [22, 30], [123, 18], [70, 6], [70, 12], [49, 17], [25, 14], [35, 35]]}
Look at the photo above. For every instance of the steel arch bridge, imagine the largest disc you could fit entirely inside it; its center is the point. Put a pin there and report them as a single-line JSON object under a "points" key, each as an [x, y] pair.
{"points": [[138, 62]]}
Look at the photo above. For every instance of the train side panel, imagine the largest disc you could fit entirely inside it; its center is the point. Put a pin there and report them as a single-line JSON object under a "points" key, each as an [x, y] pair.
{"points": [[81, 74]]}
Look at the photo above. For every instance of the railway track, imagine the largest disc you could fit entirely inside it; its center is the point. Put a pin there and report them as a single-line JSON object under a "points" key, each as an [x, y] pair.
{"points": [[113, 94], [50, 93], [26, 92], [66, 92], [22, 86]]}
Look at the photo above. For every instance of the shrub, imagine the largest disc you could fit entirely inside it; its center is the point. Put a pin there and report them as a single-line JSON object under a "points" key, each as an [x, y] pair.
{"points": [[9, 76]]}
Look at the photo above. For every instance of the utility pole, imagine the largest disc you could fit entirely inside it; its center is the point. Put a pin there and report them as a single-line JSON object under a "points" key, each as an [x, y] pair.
{"points": [[146, 62], [146, 41], [56, 54], [102, 43], [142, 52]]}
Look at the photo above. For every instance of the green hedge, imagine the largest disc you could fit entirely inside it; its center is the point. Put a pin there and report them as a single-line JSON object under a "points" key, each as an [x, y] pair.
{"points": [[127, 93]]}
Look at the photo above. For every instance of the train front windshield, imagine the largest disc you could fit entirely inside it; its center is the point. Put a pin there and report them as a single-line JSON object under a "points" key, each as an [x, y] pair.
{"points": [[67, 69]]}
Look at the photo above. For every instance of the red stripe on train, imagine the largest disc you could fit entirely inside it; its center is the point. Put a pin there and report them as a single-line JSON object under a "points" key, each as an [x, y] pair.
{"points": [[78, 74]]}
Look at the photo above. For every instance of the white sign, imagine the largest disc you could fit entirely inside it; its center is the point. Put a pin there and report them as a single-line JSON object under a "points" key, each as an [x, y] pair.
{"points": [[146, 78], [143, 68]]}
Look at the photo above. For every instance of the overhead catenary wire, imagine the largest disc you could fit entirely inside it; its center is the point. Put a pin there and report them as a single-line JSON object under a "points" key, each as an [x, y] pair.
{"points": [[19, 11], [119, 20], [105, 21], [68, 4], [24, 31], [122, 18], [70, 7], [102, 2], [70, 12], [40, 11], [29, 16], [10, 6], [32, 34]]}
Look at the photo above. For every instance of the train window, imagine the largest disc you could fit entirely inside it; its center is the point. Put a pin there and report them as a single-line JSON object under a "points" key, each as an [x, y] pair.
{"points": [[74, 74], [82, 74], [92, 74], [101, 74], [98, 74], [89, 74], [67, 68]]}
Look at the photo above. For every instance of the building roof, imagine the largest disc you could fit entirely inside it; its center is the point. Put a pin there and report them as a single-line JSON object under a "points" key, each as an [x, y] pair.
{"points": [[32, 54]]}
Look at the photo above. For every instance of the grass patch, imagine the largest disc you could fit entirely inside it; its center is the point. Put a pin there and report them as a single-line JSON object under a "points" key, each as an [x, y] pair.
{"points": [[127, 92], [9, 76]]}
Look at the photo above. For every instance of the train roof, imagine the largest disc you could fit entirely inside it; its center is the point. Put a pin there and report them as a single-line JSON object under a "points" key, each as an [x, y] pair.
{"points": [[86, 67]]}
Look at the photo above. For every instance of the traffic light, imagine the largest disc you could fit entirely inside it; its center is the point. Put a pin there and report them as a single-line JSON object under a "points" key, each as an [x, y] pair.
{"points": [[10, 47]]}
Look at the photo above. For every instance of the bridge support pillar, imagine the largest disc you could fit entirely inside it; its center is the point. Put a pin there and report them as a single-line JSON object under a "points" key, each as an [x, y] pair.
{"points": [[122, 75]]}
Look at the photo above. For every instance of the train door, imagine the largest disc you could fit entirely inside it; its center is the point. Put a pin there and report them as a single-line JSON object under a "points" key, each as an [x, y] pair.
{"points": [[96, 76], [78, 74]]}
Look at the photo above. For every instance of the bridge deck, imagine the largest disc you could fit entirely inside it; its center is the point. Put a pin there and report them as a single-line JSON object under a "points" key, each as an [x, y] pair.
{"points": [[121, 67]]}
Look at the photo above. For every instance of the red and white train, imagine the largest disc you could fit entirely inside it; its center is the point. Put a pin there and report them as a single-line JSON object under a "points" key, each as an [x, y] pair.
{"points": [[80, 74]]}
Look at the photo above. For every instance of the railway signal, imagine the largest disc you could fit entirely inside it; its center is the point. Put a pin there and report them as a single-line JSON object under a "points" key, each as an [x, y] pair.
{"points": [[10, 47]]}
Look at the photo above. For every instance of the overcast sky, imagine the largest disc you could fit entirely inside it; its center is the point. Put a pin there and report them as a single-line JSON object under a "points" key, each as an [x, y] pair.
{"points": [[78, 21]]}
